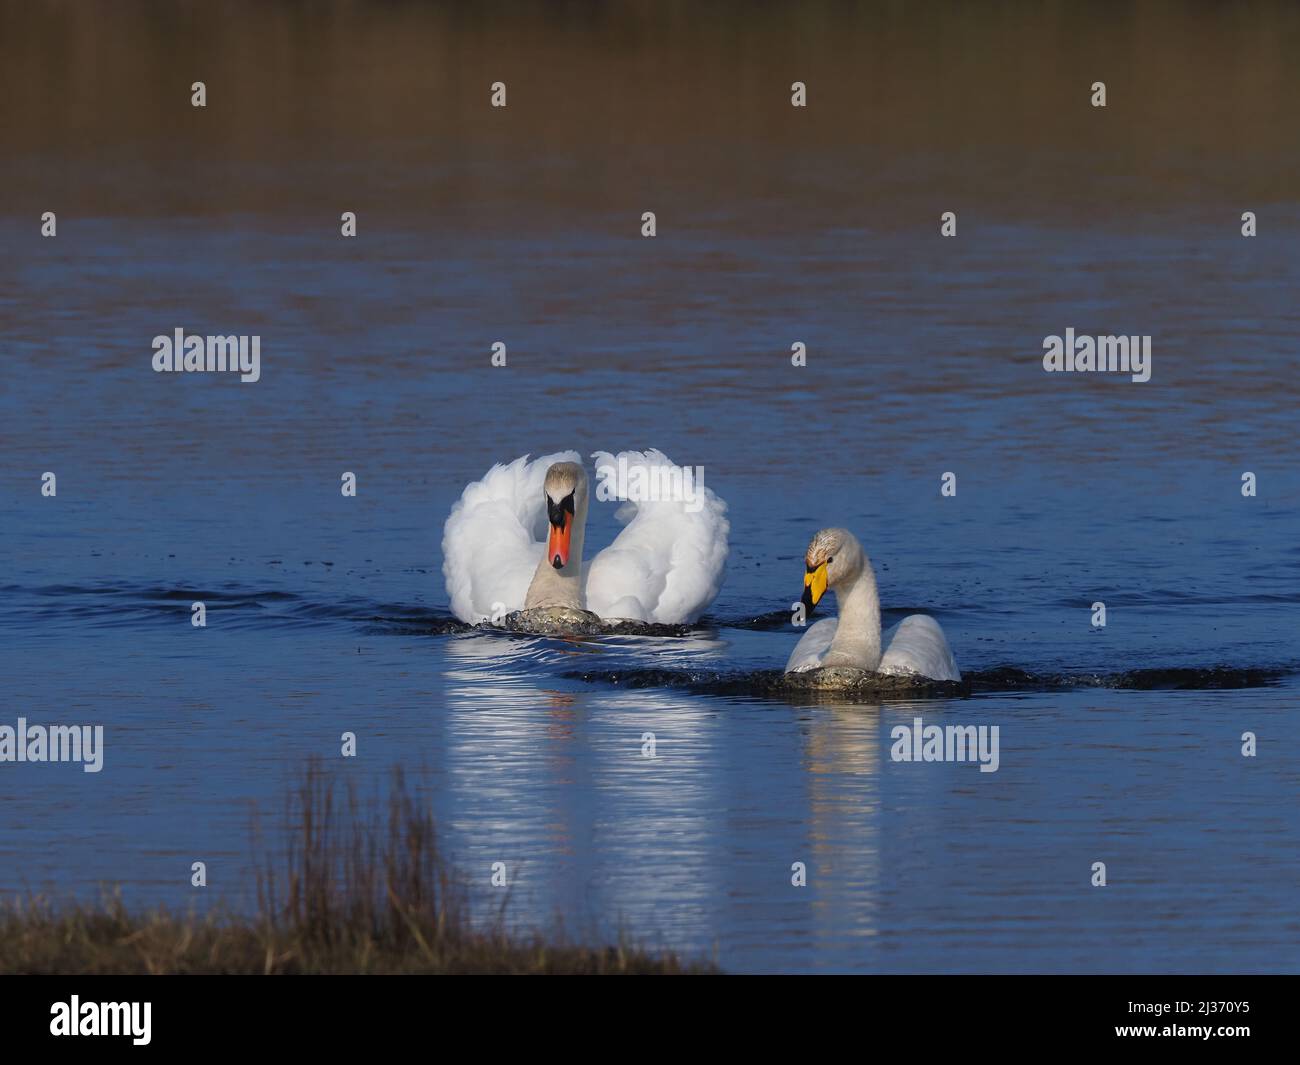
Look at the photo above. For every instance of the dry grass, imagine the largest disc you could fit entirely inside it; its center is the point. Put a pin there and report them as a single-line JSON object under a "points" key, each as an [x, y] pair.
{"points": [[356, 891]]}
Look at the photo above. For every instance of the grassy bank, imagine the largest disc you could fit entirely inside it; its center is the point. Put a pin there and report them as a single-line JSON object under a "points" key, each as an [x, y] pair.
{"points": [[354, 890]]}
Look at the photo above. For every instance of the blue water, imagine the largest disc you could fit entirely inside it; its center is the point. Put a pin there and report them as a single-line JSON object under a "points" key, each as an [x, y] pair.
{"points": [[327, 614]]}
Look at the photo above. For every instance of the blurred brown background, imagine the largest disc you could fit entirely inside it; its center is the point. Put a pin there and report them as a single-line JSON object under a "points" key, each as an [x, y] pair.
{"points": [[611, 103]]}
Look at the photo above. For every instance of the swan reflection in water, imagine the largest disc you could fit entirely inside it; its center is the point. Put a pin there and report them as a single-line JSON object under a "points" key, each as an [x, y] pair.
{"points": [[579, 793], [649, 811]]}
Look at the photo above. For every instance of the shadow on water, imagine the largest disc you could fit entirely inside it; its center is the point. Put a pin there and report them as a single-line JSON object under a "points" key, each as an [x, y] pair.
{"points": [[802, 688], [270, 609]]}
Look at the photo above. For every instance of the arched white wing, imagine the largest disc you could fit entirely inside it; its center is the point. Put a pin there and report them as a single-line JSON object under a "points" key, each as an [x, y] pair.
{"points": [[917, 645], [495, 536], [667, 564], [812, 646]]}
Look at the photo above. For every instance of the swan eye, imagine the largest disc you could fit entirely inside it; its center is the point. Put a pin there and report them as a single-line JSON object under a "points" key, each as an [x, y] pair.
{"points": [[830, 560]]}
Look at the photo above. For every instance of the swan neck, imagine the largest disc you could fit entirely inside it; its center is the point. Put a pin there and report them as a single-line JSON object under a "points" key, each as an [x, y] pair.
{"points": [[857, 635], [576, 539], [561, 588]]}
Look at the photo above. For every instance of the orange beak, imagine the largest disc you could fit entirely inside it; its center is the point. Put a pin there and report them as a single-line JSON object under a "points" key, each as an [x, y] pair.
{"points": [[557, 545]]}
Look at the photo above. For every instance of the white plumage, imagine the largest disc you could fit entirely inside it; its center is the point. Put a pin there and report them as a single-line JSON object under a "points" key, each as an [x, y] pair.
{"points": [[915, 645], [495, 537], [835, 561], [665, 566], [812, 646]]}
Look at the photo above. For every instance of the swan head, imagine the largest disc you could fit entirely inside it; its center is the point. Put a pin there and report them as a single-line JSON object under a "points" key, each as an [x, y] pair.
{"points": [[566, 497], [834, 557]]}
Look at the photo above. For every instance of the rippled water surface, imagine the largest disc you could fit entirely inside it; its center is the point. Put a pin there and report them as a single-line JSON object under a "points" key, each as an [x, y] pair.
{"points": [[327, 614]]}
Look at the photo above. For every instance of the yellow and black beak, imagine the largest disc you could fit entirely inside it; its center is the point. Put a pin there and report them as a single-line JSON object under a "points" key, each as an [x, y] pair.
{"points": [[814, 587]]}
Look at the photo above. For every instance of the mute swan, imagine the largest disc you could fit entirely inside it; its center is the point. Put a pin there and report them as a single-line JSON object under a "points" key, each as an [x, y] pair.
{"points": [[515, 539], [917, 645]]}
